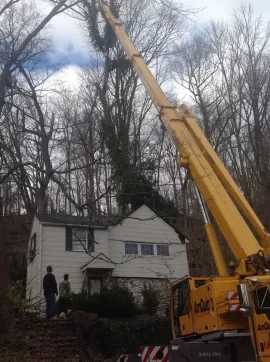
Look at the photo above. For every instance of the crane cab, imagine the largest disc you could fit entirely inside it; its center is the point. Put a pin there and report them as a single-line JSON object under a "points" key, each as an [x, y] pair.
{"points": [[202, 306]]}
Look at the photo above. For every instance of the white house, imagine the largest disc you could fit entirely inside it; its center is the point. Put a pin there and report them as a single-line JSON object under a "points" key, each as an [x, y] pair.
{"points": [[139, 249]]}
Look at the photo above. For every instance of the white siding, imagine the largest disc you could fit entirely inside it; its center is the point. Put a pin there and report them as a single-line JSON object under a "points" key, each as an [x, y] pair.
{"points": [[33, 268], [54, 253], [144, 226]]}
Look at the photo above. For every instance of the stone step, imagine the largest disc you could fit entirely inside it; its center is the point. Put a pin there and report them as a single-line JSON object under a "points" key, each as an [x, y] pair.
{"points": [[52, 355], [48, 325], [47, 346], [38, 348], [47, 341], [59, 339], [50, 333], [16, 358]]}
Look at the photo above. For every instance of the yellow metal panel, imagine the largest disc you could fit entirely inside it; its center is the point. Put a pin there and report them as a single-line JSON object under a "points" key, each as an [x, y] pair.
{"points": [[214, 313], [186, 324], [235, 230], [216, 250], [222, 172], [262, 336], [222, 310], [203, 309]]}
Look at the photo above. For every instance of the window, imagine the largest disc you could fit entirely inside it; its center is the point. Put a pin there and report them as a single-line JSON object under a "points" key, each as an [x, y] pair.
{"points": [[33, 247], [181, 304], [163, 250], [147, 249], [79, 239], [183, 298], [131, 248], [199, 283]]}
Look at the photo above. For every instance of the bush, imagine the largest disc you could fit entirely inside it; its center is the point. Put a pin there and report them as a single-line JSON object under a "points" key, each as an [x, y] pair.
{"points": [[140, 310], [84, 303], [16, 292], [116, 302], [150, 300], [115, 336], [81, 302]]}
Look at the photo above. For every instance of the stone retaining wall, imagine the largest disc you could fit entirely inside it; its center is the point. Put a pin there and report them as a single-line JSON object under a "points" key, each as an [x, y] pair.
{"points": [[136, 286]]}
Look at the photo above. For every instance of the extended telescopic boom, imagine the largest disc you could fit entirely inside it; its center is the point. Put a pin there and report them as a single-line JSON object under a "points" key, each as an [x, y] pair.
{"points": [[207, 171]]}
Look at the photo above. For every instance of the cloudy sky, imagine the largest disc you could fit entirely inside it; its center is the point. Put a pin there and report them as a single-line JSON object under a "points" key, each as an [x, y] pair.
{"points": [[71, 45]]}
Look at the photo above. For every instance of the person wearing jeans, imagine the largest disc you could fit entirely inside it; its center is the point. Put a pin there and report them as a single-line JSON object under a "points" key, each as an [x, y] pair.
{"points": [[64, 296], [50, 292]]}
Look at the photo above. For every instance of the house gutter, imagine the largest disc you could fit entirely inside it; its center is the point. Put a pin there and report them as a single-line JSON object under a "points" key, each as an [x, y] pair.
{"points": [[75, 225]]}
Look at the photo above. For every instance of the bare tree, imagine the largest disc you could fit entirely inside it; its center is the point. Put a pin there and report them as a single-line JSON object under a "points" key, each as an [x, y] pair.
{"points": [[123, 106]]}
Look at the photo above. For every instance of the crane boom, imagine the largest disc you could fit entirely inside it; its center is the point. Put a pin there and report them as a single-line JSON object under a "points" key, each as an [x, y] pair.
{"points": [[176, 121], [225, 177], [222, 313]]}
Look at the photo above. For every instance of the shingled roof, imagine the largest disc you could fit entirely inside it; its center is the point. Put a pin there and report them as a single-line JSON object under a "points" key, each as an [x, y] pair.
{"points": [[101, 221]]}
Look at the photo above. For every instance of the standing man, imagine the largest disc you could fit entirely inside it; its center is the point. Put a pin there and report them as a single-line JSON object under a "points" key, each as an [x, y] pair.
{"points": [[50, 291], [64, 295]]}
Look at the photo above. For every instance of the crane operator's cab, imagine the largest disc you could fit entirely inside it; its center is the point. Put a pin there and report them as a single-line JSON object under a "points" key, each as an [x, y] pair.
{"points": [[207, 310], [202, 306], [181, 308]]}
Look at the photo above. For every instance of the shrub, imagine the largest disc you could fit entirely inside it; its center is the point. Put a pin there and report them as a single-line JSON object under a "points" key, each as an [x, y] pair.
{"points": [[150, 300], [16, 293], [84, 303], [140, 310], [114, 336], [116, 302]]}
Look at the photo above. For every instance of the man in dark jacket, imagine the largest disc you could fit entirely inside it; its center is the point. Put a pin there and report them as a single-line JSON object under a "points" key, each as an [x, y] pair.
{"points": [[50, 291]]}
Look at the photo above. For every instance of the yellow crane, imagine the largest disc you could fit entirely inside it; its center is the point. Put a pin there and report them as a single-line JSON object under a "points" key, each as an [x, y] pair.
{"points": [[227, 317]]}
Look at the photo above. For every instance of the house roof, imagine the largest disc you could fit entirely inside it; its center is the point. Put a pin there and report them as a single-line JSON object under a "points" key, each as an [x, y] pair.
{"points": [[103, 221], [101, 261]]}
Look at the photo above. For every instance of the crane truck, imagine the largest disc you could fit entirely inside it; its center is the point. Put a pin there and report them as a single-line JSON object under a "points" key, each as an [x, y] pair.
{"points": [[225, 318]]}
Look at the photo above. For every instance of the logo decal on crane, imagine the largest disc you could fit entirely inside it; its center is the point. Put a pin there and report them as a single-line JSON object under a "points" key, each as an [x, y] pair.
{"points": [[202, 307], [265, 345], [264, 327]]}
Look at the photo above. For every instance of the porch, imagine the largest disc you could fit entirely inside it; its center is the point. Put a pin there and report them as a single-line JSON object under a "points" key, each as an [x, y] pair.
{"points": [[97, 274]]}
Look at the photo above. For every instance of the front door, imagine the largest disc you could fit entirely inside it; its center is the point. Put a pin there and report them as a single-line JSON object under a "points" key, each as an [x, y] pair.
{"points": [[94, 286]]}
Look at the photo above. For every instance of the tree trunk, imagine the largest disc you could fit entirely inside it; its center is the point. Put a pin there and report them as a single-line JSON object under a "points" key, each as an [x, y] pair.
{"points": [[7, 317]]}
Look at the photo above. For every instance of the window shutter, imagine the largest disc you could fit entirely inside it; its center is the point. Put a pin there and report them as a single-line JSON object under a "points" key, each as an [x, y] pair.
{"points": [[33, 247], [34, 244], [90, 240], [68, 238]]}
